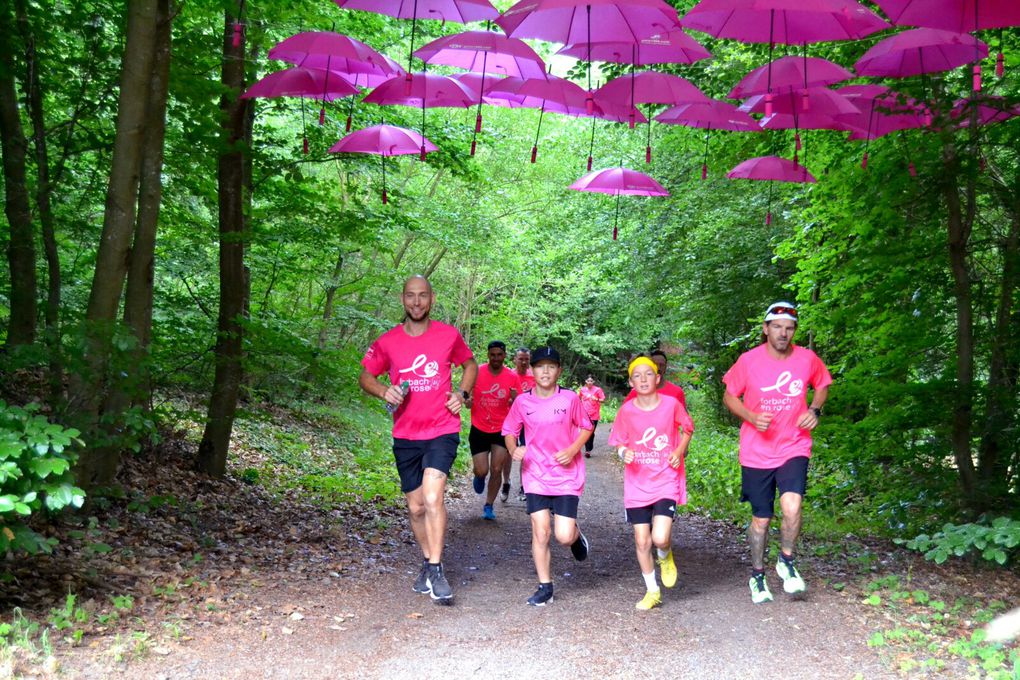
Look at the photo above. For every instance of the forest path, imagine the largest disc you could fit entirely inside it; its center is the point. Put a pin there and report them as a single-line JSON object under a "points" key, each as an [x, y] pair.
{"points": [[376, 627]]}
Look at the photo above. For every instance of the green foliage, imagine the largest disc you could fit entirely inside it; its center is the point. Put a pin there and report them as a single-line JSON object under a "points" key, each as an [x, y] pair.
{"points": [[35, 474], [997, 541]]}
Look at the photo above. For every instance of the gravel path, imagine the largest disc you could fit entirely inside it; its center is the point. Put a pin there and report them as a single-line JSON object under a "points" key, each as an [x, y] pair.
{"points": [[374, 626]]}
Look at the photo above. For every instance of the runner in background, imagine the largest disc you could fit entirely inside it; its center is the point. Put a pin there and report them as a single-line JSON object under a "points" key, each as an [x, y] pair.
{"points": [[495, 389], [652, 433], [522, 367], [592, 397], [665, 386], [426, 419]]}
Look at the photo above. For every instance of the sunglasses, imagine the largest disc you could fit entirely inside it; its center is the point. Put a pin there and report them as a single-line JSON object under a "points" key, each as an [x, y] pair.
{"points": [[782, 310]]}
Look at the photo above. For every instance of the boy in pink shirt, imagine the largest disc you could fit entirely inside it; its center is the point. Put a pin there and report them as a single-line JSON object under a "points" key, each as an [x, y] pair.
{"points": [[552, 472], [496, 388], [652, 433], [592, 397], [420, 354], [775, 438]]}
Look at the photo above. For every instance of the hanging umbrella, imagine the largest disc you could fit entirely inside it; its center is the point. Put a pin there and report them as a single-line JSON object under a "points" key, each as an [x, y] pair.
{"points": [[783, 22], [792, 111], [959, 16], [990, 110], [619, 181], [384, 140], [789, 74], [920, 50], [648, 87], [771, 169], [674, 47], [710, 115], [882, 111], [306, 83], [427, 90], [484, 52], [588, 21]]}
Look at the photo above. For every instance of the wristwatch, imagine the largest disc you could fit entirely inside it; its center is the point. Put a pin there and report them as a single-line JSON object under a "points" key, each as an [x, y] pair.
{"points": [[817, 411], [464, 395]]}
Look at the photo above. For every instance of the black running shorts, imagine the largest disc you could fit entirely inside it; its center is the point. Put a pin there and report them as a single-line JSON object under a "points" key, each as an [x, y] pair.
{"points": [[482, 442], [414, 455], [644, 514], [564, 506], [758, 486]]}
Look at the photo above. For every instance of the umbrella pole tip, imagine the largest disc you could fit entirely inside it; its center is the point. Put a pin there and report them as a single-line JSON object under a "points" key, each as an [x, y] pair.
{"points": [[648, 154], [615, 233], [474, 145], [385, 198], [304, 145], [589, 163], [534, 153]]}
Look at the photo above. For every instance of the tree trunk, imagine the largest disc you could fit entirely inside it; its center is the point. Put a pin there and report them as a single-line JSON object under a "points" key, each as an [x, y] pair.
{"points": [[959, 229], [42, 200], [139, 294], [212, 452], [327, 311], [21, 249], [89, 391]]}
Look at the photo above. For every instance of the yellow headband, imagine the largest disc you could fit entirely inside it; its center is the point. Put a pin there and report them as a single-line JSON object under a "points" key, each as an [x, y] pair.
{"points": [[642, 361]]}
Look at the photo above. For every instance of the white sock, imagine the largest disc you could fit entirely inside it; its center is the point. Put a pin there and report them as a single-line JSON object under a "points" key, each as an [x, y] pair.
{"points": [[662, 553], [650, 583]]}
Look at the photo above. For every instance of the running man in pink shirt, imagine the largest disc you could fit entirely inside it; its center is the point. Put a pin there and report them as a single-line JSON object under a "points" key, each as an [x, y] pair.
{"points": [[496, 388], [418, 355], [551, 468], [522, 367], [592, 397], [652, 433], [775, 438]]}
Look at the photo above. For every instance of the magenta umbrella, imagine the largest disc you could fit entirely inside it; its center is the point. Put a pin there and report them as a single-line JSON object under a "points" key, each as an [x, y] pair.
{"points": [[785, 22], [771, 169], [426, 90], [990, 110], [959, 16], [619, 181], [674, 47], [484, 52], [384, 140], [791, 111], [920, 50], [306, 83], [790, 74], [588, 21], [710, 115], [882, 111]]}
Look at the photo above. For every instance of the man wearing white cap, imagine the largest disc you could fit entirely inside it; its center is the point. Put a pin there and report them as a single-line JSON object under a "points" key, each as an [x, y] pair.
{"points": [[767, 389]]}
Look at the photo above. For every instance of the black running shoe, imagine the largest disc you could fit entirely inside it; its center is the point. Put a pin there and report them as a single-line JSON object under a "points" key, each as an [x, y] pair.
{"points": [[421, 584], [504, 492], [439, 587], [580, 548], [542, 596]]}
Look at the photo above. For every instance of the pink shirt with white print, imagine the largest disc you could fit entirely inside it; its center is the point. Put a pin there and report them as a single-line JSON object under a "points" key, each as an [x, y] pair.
{"points": [[425, 361], [490, 398], [777, 386], [550, 424], [592, 398], [527, 380], [652, 436]]}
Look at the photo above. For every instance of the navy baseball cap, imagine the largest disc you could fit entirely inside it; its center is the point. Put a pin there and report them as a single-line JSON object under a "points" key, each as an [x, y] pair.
{"points": [[544, 354]]}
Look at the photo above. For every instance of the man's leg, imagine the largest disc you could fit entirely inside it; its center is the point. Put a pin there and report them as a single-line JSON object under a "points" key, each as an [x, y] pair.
{"points": [[498, 455], [757, 540], [416, 515], [789, 530], [433, 488]]}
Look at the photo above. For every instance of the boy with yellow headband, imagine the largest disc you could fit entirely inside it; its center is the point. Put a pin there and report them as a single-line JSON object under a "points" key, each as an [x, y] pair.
{"points": [[651, 433]]}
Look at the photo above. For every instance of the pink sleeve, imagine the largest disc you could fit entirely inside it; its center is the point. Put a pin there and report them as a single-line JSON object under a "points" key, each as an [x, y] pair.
{"points": [[579, 416], [620, 434], [460, 352], [682, 419], [820, 376], [601, 395], [376, 361], [512, 423], [736, 379]]}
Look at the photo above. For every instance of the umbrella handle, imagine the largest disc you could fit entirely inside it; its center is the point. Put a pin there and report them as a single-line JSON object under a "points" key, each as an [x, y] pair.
{"points": [[977, 77], [534, 153], [864, 161]]}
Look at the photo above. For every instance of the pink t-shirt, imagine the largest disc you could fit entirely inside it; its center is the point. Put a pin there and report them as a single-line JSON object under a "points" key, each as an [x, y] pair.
{"points": [[490, 398], [527, 380], [592, 398], [776, 386], [550, 425], [667, 388], [652, 436], [425, 361]]}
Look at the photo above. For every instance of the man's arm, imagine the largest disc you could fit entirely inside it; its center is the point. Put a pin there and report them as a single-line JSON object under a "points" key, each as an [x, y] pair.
{"points": [[808, 420], [455, 400], [736, 406], [391, 394]]}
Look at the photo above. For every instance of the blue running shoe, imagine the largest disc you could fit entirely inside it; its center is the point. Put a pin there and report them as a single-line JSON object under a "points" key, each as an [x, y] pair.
{"points": [[488, 512], [479, 484]]}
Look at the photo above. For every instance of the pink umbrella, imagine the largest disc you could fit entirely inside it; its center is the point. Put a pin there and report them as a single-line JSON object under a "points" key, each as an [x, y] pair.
{"points": [[674, 47], [771, 169], [384, 140], [710, 115], [649, 87], [791, 111], [588, 21], [302, 82], [484, 52], [790, 74], [990, 110], [882, 111], [619, 181], [959, 16], [426, 91], [783, 21], [920, 50]]}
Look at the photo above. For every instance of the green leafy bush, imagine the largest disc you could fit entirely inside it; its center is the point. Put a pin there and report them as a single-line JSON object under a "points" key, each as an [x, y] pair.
{"points": [[35, 472], [995, 542]]}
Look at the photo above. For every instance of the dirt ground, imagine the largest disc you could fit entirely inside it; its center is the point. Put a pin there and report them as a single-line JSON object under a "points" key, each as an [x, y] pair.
{"points": [[367, 623]]}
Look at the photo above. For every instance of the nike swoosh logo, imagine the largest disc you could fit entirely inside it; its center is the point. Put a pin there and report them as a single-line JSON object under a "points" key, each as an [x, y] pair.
{"points": [[529, 412]]}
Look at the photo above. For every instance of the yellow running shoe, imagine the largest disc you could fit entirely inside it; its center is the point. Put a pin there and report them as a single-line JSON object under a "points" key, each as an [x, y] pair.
{"points": [[667, 570], [652, 599]]}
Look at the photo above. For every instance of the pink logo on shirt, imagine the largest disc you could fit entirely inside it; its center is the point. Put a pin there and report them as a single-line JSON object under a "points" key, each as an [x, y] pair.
{"points": [[429, 368]]}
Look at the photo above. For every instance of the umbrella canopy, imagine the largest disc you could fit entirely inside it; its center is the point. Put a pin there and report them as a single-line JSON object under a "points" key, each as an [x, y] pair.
{"points": [[484, 52], [427, 90], [960, 16], [789, 74], [782, 21], [710, 115], [459, 11], [619, 181], [649, 87], [566, 96], [920, 50], [990, 110], [674, 47], [821, 101], [384, 140], [335, 52], [301, 82], [882, 111], [771, 168]]}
